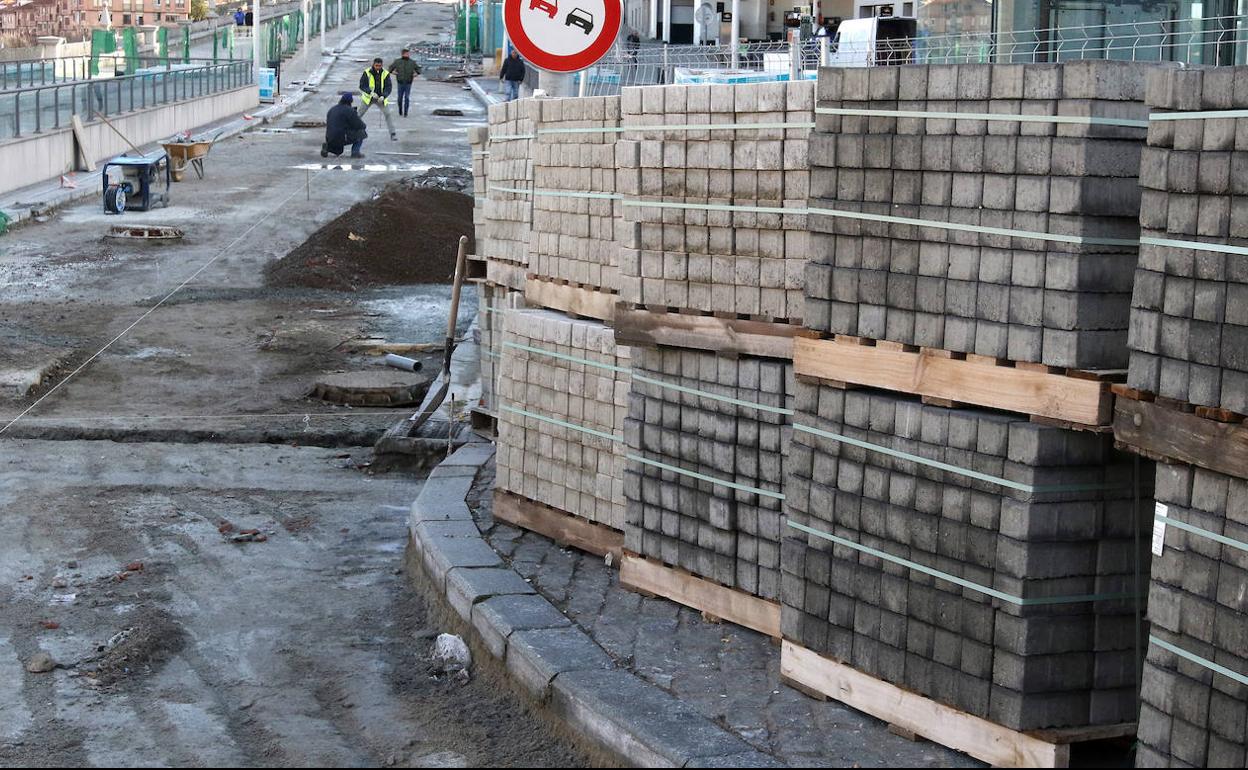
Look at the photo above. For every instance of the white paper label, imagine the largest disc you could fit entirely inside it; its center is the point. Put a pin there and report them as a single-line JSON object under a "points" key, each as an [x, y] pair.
{"points": [[1160, 511]]}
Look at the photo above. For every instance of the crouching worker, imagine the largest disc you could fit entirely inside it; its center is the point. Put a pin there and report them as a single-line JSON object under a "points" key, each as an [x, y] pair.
{"points": [[343, 126]]}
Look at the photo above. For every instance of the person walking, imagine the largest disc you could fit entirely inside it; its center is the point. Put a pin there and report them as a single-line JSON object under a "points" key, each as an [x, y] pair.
{"points": [[375, 86], [342, 127], [404, 71], [512, 74]]}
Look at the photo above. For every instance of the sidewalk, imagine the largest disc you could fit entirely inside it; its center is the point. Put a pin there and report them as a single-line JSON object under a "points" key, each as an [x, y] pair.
{"points": [[303, 69]]}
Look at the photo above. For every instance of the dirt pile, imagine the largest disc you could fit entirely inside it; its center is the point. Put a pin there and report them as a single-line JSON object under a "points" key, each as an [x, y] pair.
{"points": [[402, 236]]}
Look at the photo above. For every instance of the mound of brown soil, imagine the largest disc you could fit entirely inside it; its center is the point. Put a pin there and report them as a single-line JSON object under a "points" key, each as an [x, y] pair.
{"points": [[404, 236]]}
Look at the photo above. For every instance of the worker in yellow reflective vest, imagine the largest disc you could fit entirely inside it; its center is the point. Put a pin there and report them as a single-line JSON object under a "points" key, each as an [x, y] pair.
{"points": [[375, 85]]}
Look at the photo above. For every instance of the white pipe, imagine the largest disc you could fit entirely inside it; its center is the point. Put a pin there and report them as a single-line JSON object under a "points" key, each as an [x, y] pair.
{"points": [[736, 34]]}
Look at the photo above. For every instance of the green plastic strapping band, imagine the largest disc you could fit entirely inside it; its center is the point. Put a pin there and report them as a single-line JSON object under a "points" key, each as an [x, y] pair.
{"points": [[1087, 120], [562, 423], [714, 396], [514, 190], [678, 127], [579, 194], [704, 477], [1214, 536], [714, 207], [566, 357], [1020, 486], [1020, 601], [510, 137], [1221, 248], [981, 229], [1209, 664], [1209, 115]]}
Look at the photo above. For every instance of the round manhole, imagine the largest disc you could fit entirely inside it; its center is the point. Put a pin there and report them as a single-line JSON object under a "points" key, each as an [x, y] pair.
{"points": [[374, 388], [145, 232]]}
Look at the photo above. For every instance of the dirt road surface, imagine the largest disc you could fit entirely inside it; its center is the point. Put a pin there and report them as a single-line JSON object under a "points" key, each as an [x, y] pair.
{"points": [[174, 645]]}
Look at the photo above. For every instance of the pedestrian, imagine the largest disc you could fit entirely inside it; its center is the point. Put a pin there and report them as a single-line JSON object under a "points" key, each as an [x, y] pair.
{"points": [[342, 127], [375, 87], [512, 74], [240, 18], [405, 71]]}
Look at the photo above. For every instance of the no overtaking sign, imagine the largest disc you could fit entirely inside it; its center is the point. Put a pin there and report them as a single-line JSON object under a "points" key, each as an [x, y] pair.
{"points": [[562, 35]]}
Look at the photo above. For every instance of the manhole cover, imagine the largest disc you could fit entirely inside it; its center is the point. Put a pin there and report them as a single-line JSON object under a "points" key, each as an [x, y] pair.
{"points": [[309, 124], [145, 232], [390, 387], [448, 113]]}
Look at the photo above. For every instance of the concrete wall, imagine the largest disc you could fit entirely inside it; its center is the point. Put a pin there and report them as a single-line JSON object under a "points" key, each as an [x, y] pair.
{"points": [[31, 159]]}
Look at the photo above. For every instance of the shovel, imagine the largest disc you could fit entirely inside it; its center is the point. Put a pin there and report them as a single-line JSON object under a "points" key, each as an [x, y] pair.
{"points": [[432, 404]]}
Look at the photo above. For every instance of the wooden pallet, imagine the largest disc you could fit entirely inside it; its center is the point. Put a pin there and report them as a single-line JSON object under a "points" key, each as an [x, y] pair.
{"points": [[560, 526], [1074, 398], [1172, 431], [921, 716], [638, 573], [484, 422], [650, 327], [575, 300], [504, 273], [476, 268]]}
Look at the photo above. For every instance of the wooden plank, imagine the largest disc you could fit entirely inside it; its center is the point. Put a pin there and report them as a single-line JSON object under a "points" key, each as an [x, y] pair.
{"points": [[640, 574], [701, 332], [80, 141], [1182, 436], [1087, 402], [998, 746], [560, 526], [566, 298]]}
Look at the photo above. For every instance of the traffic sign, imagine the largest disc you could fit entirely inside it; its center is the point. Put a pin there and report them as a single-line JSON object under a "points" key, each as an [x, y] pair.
{"points": [[562, 35]]}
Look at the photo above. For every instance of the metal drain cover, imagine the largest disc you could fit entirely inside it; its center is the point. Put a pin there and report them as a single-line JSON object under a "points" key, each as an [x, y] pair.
{"points": [[145, 232]]}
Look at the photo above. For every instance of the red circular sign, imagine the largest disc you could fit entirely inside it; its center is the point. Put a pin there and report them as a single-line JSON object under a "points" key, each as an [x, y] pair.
{"points": [[562, 35]]}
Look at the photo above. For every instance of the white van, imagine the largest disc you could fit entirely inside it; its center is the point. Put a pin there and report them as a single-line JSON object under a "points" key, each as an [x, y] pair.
{"points": [[873, 42]]}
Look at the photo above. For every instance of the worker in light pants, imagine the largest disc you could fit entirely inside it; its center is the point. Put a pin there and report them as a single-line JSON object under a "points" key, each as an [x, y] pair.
{"points": [[375, 86]]}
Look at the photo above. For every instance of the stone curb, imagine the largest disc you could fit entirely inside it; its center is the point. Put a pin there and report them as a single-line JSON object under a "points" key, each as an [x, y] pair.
{"points": [[544, 654], [89, 184]]}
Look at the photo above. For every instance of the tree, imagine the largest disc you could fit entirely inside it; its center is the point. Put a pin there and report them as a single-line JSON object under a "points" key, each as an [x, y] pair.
{"points": [[199, 10]]}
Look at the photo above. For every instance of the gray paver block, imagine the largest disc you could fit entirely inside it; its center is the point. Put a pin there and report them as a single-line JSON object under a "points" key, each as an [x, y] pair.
{"points": [[442, 554], [467, 586], [641, 723], [748, 759], [535, 658]]}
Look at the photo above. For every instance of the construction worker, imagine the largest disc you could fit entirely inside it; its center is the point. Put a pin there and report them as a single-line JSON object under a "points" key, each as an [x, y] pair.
{"points": [[375, 86], [512, 73], [404, 71], [342, 127]]}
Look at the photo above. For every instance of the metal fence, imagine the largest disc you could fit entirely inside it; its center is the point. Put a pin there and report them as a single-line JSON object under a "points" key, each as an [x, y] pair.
{"points": [[1216, 41], [45, 108]]}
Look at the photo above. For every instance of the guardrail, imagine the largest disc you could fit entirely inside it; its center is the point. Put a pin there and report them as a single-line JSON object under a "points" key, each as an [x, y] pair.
{"points": [[1214, 41], [25, 73], [42, 108]]}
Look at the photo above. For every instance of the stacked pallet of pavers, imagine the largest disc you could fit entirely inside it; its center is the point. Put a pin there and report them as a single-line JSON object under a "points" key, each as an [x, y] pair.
{"points": [[1189, 344], [508, 207], [953, 268], [493, 303], [982, 519], [689, 410], [479, 142], [575, 214], [1189, 323], [702, 256], [557, 372]]}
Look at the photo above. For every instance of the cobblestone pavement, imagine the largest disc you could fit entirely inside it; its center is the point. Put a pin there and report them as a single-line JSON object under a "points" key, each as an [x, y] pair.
{"points": [[731, 674]]}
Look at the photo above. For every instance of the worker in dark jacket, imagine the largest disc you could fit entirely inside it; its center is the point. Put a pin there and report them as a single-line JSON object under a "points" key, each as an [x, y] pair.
{"points": [[512, 74], [375, 86], [342, 127], [404, 71]]}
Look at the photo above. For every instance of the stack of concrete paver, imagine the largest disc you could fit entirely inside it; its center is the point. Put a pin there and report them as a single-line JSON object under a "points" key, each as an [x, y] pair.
{"points": [[986, 291], [493, 303], [1198, 603], [539, 456], [1189, 322], [902, 586], [574, 237], [479, 142], [508, 208], [730, 535], [691, 254]]}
